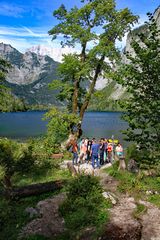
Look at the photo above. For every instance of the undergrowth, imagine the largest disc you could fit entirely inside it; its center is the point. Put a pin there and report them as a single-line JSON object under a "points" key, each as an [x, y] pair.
{"points": [[138, 185], [12, 213], [84, 207]]}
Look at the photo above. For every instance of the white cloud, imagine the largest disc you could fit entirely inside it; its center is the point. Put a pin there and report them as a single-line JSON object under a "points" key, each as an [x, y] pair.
{"points": [[19, 43], [22, 32], [23, 38], [11, 10]]}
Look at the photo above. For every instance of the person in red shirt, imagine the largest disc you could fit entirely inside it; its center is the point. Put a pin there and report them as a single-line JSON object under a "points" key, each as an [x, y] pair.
{"points": [[109, 152]]}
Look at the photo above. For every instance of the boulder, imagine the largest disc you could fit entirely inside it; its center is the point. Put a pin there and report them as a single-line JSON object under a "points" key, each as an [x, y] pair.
{"points": [[132, 166], [32, 212], [72, 169], [86, 169], [50, 224]]}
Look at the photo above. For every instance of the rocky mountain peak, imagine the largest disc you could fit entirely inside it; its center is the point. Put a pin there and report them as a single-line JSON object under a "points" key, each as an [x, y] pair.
{"points": [[55, 53], [157, 15], [26, 68], [133, 35], [6, 48]]}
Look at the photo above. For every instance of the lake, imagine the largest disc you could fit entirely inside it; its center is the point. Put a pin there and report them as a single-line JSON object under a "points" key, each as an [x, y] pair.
{"points": [[22, 125]]}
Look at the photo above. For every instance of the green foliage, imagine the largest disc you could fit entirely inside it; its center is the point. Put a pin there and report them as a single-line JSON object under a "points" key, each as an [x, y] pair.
{"points": [[85, 205], [59, 126], [102, 100], [14, 157], [155, 199], [143, 157], [13, 216], [140, 210], [141, 77], [77, 26], [70, 68], [137, 184], [10, 103], [131, 151], [4, 65]]}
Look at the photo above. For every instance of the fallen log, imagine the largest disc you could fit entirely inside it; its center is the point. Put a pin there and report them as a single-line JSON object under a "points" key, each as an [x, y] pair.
{"points": [[33, 190], [57, 155]]}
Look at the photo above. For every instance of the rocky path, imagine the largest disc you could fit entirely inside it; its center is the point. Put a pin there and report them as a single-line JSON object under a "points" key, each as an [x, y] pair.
{"points": [[123, 224]]}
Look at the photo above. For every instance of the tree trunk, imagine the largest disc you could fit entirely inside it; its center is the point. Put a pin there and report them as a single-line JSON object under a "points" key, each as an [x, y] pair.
{"points": [[76, 83], [67, 144], [7, 182], [33, 190], [91, 89], [75, 97]]}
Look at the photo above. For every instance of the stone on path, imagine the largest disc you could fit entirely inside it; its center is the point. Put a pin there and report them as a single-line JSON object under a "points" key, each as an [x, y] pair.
{"points": [[85, 168], [110, 196]]}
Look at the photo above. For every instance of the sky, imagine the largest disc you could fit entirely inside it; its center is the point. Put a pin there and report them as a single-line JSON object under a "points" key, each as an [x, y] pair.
{"points": [[26, 23]]}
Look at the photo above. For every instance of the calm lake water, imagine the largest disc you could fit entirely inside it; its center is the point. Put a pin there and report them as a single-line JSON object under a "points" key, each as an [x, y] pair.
{"points": [[22, 125]]}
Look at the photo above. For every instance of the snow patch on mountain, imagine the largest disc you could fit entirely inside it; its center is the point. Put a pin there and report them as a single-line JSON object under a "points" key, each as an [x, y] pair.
{"points": [[55, 53]]}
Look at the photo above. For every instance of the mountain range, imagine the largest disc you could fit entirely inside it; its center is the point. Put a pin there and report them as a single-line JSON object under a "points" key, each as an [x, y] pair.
{"points": [[30, 75]]}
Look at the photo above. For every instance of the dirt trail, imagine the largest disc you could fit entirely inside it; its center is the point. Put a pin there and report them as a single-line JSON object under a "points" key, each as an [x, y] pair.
{"points": [[123, 225]]}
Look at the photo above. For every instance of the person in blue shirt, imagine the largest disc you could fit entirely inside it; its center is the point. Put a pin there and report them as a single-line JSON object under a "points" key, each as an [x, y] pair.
{"points": [[94, 153]]}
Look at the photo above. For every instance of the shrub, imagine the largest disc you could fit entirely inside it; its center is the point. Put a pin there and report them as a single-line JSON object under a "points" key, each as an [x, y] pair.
{"points": [[14, 157], [146, 159], [85, 205]]}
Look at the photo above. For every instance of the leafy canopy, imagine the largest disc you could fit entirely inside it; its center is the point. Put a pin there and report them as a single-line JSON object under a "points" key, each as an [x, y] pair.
{"points": [[59, 126], [141, 77], [93, 29]]}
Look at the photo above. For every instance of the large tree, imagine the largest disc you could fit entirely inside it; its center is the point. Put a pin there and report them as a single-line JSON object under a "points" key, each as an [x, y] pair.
{"points": [[141, 77], [93, 29]]}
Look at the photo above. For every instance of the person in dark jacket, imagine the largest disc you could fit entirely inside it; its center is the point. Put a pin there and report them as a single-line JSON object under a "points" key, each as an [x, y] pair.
{"points": [[101, 151], [94, 153]]}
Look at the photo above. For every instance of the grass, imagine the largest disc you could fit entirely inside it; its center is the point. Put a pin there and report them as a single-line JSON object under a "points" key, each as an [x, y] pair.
{"points": [[12, 213], [13, 216], [85, 207], [40, 174], [137, 184], [140, 209]]}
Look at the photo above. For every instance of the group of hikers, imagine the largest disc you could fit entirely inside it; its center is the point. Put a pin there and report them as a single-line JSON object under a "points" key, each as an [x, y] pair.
{"points": [[96, 152]]}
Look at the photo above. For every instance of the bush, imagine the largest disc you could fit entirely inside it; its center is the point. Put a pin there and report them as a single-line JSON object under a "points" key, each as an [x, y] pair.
{"points": [[85, 205], [14, 157], [145, 158]]}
